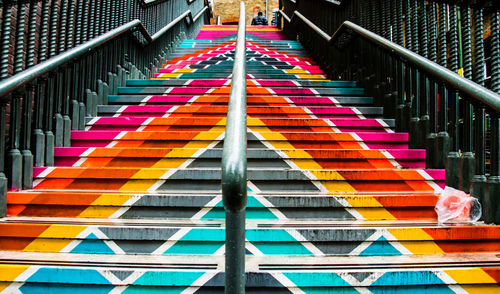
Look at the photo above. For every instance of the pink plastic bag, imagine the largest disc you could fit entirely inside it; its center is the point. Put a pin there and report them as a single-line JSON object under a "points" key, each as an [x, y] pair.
{"points": [[457, 206]]}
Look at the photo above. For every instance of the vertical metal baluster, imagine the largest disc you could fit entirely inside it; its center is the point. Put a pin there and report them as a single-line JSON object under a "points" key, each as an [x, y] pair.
{"points": [[39, 138], [394, 20], [19, 50], [27, 156], [62, 26], [424, 122], [79, 21], [77, 104], [442, 139], [408, 25], [478, 181], [400, 37], [14, 157], [71, 107], [387, 19], [453, 157], [414, 135], [3, 179], [104, 12], [492, 197], [53, 28], [97, 29], [92, 20], [467, 159], [65, 80], [400, 106], [70, 43], [85, 21], [51, 94], [4, 73], [4, 54], [414, 27], [432, 32], [422, 20]]}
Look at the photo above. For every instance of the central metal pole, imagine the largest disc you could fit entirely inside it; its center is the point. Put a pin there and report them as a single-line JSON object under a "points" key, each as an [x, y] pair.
{"points": [[234, 168], [235, 252]]}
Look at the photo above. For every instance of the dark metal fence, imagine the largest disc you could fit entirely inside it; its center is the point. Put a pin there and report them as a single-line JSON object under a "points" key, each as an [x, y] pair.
{"points": [[449, 117], [60, 59]]}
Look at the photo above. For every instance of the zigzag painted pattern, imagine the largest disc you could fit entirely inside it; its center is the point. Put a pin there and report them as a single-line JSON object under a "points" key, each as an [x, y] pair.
{"points": [[337, 201]]}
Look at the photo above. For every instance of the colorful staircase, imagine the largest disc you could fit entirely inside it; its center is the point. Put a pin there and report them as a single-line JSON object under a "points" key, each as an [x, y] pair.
{"points": [[337, 202]]}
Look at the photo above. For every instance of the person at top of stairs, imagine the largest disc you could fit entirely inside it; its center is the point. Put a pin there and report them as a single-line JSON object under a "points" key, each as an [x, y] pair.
{"points": [[259, 20]]}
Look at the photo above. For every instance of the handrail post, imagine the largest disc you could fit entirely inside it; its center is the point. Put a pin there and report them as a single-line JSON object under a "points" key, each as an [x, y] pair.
{"points": [[234, 168]]}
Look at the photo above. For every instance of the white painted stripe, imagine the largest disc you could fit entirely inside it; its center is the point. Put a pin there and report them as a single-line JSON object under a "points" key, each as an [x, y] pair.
{"points": [[207, 208], [170, 111], [334, 127], [313, 249], [424, 174], [196, 285], [391, 158], [156, 185], [120, 135], [46, 172], [335, 101], [88, 151], [36, 182], [171, 241], [93, 120], [79, 162], [146, 99], [145, 123], [125, 206], [360, 141], [360, 115], [111, 144], [385, 125], [280, 277]]}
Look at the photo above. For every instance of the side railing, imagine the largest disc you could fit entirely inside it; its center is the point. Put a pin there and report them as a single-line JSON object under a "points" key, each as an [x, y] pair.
{"points": [[234, 167], [429, 101], [67, 59]]}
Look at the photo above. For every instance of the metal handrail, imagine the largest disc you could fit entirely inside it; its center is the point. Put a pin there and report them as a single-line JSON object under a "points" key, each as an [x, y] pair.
{"points": [[234, 167], [16, 81], [441, 73]]}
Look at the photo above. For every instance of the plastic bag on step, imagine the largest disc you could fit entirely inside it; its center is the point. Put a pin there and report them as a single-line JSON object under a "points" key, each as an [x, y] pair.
{"points": [[457, 206]]}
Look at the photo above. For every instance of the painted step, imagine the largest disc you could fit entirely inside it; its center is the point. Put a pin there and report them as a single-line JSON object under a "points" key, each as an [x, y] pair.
{"points": [[325, 112], [273, 124], [253, 100], [212, 61], [153, 90], [165, 239], [255, 66], [249, 76], [250, 83], [250, 70], [148, 157], [287, 209], [152, 279], [228, 64], [266, 180]]}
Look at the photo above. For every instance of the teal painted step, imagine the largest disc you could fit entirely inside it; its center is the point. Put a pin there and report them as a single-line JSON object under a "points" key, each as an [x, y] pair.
{"points": [[67, 279]]}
